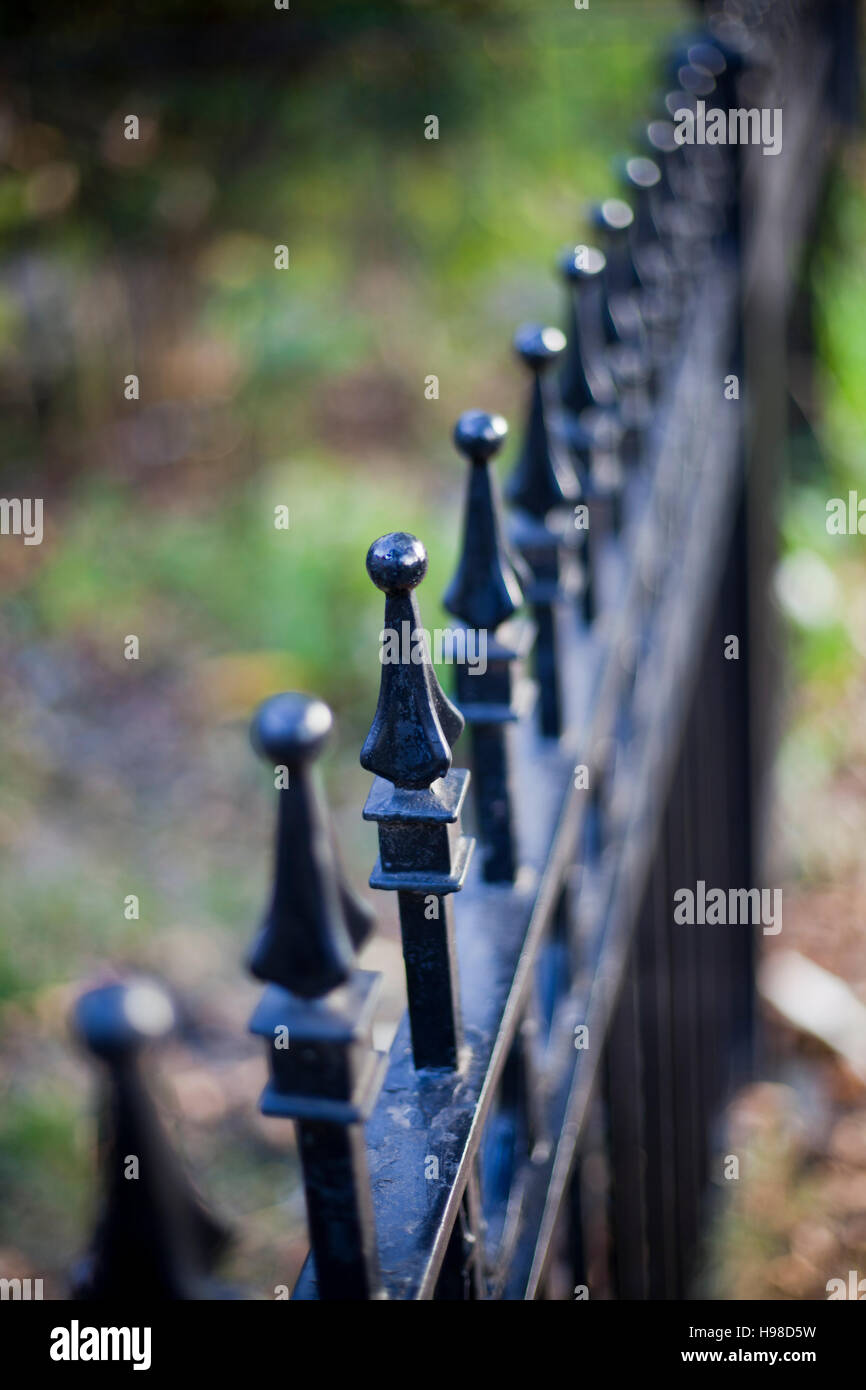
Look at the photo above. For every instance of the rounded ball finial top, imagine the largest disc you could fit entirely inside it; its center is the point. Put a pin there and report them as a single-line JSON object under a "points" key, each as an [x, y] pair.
{"points": [[478, 436], [538, 345], [696, 80], [581, 263], [640, 173], [291, 728], [707, 56], [696, 51], [660, 137], [679, 100], [396, 562], [612, 216], [114, 1020]]}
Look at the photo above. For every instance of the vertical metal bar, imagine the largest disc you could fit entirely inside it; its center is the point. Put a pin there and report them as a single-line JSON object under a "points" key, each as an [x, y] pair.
{"points": [[542, 488], [457, 1282], [556, 960], [654, 982], [596, 1204], [701, 943], [574, 1229], [477, 1232], [339, 1210], [547, 670], [430, 955], [590, 557], [623, 1088], [682, 1033], [740, 788], [423, 857], [712, 756], [316, 1015], [490, 775], [485, 594]]}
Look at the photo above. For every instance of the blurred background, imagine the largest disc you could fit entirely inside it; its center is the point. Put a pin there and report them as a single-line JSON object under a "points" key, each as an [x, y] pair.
{"points": [[308, 387]]}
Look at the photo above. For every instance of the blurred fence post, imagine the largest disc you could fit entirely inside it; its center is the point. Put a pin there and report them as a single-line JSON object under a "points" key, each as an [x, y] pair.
{"points": [[316, 1015]]}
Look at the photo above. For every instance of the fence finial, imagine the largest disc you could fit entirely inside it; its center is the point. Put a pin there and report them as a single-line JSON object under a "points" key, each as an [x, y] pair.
{"points": [[317, 1012], [641, 179], [485, 594], [542, 478], [314, 920], [417, 800], [660, 305], [485, 590], [542, 489], [624, 304], [155, 1239], [613, 219], [585, 379], [622, 324], [415, 725]]}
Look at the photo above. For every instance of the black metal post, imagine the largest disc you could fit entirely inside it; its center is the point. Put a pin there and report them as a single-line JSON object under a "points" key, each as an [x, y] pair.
{"points": [[542, 489], [417, 801], [485, 594], [317, 1012]]}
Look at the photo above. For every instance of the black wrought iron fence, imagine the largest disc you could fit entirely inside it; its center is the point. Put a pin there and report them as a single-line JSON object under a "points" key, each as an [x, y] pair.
{"points": [[580, 968]]}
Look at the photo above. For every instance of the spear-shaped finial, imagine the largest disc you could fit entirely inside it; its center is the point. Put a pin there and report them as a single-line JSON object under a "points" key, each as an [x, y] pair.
{"points": [[155, 1239], [585, 379], [590, 401], [417, 799], [485, 590], [711, 168], [682, 223], [485, 594], [542, 478], [703, 166], [543, 488], [314, 922], [624, 326], [613, 219], [660, 305], [317, 1013], [415, 725], [641, 180]]}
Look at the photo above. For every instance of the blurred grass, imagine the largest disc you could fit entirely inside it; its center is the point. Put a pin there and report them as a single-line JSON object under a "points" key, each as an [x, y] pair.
{"points": [[825, 570]]}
